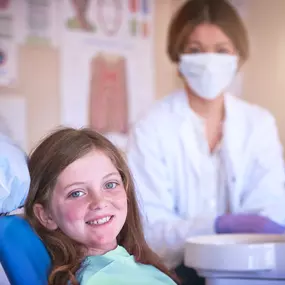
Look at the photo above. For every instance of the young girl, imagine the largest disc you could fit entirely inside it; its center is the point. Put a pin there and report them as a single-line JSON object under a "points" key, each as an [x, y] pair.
{"points": [[83, 206]]}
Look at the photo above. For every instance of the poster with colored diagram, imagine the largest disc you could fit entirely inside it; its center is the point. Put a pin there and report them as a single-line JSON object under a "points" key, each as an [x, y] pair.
{"points": [[107, 64], [108, 16], [40, 20], [8, 49], [8, 62]]}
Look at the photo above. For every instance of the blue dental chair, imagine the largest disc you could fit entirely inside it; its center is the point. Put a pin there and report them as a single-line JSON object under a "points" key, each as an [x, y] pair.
{"points": [[22, 253]]}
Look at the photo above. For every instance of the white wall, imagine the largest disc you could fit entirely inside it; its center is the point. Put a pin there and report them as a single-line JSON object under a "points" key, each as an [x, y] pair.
{"points": [[264, 80]]}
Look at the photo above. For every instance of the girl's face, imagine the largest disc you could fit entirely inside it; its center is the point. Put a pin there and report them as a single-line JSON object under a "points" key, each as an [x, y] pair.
{"points": [[89, 203]]}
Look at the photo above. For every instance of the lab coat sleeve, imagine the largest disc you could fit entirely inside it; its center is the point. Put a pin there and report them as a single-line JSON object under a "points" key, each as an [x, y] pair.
{"points": [[165, 230], [265, 191]]}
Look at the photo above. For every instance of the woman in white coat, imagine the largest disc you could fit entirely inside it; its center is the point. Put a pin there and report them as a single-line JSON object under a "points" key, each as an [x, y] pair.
{"points": [[203, 160]]}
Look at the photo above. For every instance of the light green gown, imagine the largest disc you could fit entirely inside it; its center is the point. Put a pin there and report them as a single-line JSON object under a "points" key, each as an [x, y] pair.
{"points": [[118, 267]]}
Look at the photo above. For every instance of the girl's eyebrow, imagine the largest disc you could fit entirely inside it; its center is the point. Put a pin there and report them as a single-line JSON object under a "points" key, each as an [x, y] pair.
{"points": [[74, 184], [111, 174]]}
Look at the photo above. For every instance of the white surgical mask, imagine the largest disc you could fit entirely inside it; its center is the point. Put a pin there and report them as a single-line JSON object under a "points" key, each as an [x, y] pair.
{"points": [[208, 74]]}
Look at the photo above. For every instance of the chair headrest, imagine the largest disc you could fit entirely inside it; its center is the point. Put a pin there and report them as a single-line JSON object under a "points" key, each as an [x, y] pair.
{"points": [[23, 256]]}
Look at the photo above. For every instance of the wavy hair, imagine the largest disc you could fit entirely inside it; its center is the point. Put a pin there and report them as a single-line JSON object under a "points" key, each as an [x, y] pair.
{"points": [[46, 162]]}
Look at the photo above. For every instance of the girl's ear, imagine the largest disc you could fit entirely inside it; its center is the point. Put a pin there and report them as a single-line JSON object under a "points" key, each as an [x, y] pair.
{"points": [[44, 217]]}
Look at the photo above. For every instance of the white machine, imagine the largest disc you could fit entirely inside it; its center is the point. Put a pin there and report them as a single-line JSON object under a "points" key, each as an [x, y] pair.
{"points": [[238, 259]]}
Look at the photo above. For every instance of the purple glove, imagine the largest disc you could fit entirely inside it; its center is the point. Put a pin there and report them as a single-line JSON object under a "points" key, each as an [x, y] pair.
{"points": [[247, 223]]}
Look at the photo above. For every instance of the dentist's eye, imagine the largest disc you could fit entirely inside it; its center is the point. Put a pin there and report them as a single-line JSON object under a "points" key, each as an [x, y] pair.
{"points": [[223, 51], [193, 50]]}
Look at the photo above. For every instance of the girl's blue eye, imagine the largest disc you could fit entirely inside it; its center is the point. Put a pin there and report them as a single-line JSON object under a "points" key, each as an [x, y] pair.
{"points": [[111, 185], [76, 194]]}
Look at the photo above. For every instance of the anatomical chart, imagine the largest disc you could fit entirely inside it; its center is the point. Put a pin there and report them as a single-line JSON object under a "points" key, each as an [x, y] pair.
{"points": [[40, 22], [8, 48], [108, 94], [107, 63], [79, 19]]}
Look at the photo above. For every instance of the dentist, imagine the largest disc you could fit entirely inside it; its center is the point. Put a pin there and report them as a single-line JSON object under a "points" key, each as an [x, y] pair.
{"points": [[205, 161]]}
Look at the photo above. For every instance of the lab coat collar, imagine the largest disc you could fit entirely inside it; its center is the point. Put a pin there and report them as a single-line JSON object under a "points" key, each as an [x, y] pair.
{"points": [[233, 130]]}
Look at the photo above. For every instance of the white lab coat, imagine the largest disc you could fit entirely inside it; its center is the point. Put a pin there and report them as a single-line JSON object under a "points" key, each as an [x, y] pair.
{"points": [[165, 159]]}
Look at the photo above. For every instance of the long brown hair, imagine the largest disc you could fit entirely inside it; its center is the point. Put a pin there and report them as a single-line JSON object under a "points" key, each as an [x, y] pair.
{"points": [[46, 162], [218, 12]]}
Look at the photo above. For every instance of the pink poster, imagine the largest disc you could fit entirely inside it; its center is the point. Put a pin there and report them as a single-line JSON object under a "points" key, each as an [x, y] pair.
{"points": [[108, 94]]}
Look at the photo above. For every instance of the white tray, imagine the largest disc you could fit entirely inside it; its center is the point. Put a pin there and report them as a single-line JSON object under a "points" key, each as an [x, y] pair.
{"points": [[236, 253]]}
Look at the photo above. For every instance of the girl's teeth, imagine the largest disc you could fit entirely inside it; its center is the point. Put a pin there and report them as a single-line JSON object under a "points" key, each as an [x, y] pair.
{"points": [[99, 221]]}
